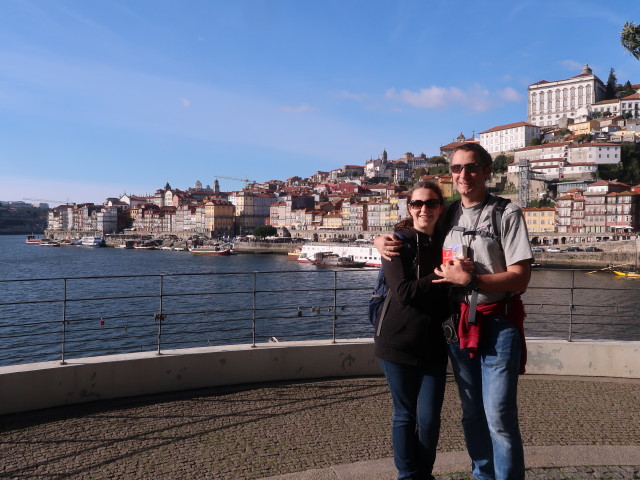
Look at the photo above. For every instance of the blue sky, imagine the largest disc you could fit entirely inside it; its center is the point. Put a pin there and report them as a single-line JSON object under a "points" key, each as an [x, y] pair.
{"points": [[104, 97]]}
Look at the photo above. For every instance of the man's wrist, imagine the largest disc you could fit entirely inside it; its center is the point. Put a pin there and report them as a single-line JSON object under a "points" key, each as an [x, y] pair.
{"points": [[472, 283]]}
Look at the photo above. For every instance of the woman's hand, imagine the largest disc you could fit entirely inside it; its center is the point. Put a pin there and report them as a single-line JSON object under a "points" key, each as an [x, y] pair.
{"points": [[388, 246]]}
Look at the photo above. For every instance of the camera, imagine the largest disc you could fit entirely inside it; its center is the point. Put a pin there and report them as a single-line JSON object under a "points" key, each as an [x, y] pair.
{"points": [[450, 329]]}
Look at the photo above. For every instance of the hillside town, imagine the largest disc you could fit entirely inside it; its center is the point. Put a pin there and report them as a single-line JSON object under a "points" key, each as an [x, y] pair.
{"points": [[553, 165]]}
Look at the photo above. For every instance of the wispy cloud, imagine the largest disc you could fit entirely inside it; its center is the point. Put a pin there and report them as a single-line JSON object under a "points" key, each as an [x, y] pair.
{"points": [[476, 98], [571, 65], [185, 102], [352, 96], [296, 110], [509, 94]]}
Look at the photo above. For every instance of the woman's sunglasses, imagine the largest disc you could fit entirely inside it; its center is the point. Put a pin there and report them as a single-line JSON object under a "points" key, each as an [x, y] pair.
{"points": [[431, 203], [469, 167]]}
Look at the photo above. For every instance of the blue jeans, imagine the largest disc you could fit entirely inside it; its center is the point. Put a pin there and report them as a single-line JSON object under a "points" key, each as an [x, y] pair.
{"points": [[488, 386], [417, 393]]}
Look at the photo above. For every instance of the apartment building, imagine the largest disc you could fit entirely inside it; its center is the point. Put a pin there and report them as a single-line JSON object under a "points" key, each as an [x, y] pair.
{"points": [[219, 218], [600, 153], [507, 138], [252, 209], [584, 128], [609, 207], [354, 215], [570, 212], [540, 219]]}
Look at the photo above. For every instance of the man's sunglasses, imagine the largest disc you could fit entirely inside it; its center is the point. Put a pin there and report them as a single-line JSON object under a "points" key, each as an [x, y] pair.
{"points": [[469, 167], [431, 203]]}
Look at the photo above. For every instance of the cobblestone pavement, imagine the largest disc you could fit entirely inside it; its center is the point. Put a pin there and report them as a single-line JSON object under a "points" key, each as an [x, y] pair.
{"points": [[258, 431]]}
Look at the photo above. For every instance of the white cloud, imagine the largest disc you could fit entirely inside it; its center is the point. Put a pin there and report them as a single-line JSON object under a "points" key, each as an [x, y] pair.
{"points": [[352, 96], [477, 98], [296, 110], [509, 94], [186, 103], [572, 65]]}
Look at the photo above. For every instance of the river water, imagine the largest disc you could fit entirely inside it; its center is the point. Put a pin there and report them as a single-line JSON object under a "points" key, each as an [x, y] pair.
{"points": [[216, 300]]}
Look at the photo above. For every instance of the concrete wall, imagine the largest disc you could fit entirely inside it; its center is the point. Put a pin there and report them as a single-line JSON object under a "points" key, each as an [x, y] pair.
{"points": [[48, 384]]}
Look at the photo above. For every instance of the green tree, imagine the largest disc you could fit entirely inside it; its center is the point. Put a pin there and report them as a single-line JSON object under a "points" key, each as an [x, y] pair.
{"points": [[535, 141], [437, 160], [501, 162], [630, 38], [612, 81], [626, 90], [545, 202], [264, 231], [420, 172]]}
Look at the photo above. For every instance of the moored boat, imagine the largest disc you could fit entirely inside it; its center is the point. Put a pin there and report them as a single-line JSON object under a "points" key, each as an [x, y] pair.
{"points": [[92, 241], [49, 243], [294, 254], [628, 273], [211, 250], [334, 260], [33, 240], [360, 253]]}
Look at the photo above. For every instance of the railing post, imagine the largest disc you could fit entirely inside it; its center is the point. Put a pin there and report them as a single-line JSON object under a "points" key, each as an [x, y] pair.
{"points": [[253, 314], [571, 306], [159, 317], [64, 321], [335, 304]]}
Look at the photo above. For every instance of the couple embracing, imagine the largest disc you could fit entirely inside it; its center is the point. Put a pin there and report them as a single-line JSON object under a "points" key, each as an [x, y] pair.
{"points": [[475, 292]]}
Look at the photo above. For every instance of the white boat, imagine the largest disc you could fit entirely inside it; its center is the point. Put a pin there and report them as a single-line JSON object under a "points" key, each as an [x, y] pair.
{"points": [[359, 253], [92, 241], [49, 243]]}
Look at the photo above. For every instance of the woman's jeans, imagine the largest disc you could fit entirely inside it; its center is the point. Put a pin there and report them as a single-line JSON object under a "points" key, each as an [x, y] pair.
{"points": [[488, 385], [417, 393]]}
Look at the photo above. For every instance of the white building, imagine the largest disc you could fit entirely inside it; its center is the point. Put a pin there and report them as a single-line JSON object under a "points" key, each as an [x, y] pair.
{"points": [[550, 101], [507, 138], [600, 153]]}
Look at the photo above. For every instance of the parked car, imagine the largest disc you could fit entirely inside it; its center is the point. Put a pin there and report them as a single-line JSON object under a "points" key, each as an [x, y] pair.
{"points": [[574, 249], [592, 249], [553, 250], [538, 249]]}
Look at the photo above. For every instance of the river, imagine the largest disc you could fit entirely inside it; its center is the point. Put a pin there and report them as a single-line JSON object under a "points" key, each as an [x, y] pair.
{"points": [[216, 300]]}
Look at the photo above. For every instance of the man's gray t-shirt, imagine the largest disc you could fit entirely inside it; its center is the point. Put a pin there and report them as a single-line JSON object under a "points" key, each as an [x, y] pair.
{"points": [[483, 249]]}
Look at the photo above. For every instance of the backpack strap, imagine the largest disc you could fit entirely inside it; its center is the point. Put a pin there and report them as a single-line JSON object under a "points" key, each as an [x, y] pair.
{"points": [[449, 213], [496, 218]]}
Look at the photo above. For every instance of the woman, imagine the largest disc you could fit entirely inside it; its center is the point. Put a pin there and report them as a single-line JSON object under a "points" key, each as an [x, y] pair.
{"points": [[409, 340]]}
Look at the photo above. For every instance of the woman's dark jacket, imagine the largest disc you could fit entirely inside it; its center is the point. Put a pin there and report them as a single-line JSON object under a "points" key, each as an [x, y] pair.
{"points": [[410, 332]]}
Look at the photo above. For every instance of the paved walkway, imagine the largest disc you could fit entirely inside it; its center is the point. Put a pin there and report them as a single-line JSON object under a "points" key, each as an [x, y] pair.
{"points": [[573, 428]]}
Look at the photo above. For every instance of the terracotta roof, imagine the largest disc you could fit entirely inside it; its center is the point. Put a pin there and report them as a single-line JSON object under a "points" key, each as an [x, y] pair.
{"points": [[509, 125], [457, 144], [604, 102], [544, 145], [594, 144]]}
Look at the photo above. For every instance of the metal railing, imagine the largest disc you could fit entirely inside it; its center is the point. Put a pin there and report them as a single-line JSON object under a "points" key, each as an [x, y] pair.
{"points": [[72, 317]]}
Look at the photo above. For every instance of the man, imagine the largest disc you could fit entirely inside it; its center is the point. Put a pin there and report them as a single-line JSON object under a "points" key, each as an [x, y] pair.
{"points": [[490, 352]]}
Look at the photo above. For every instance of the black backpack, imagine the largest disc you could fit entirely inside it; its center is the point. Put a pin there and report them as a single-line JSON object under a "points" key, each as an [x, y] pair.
{"points": [[379, 301]]}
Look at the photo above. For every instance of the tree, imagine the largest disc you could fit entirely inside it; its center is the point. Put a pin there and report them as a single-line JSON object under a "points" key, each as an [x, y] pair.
{"points": [[535, 141], [501, 162], [630, 38], [264, 231], [626, 90], [610, 91], [437, 160], [420, 172]]}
